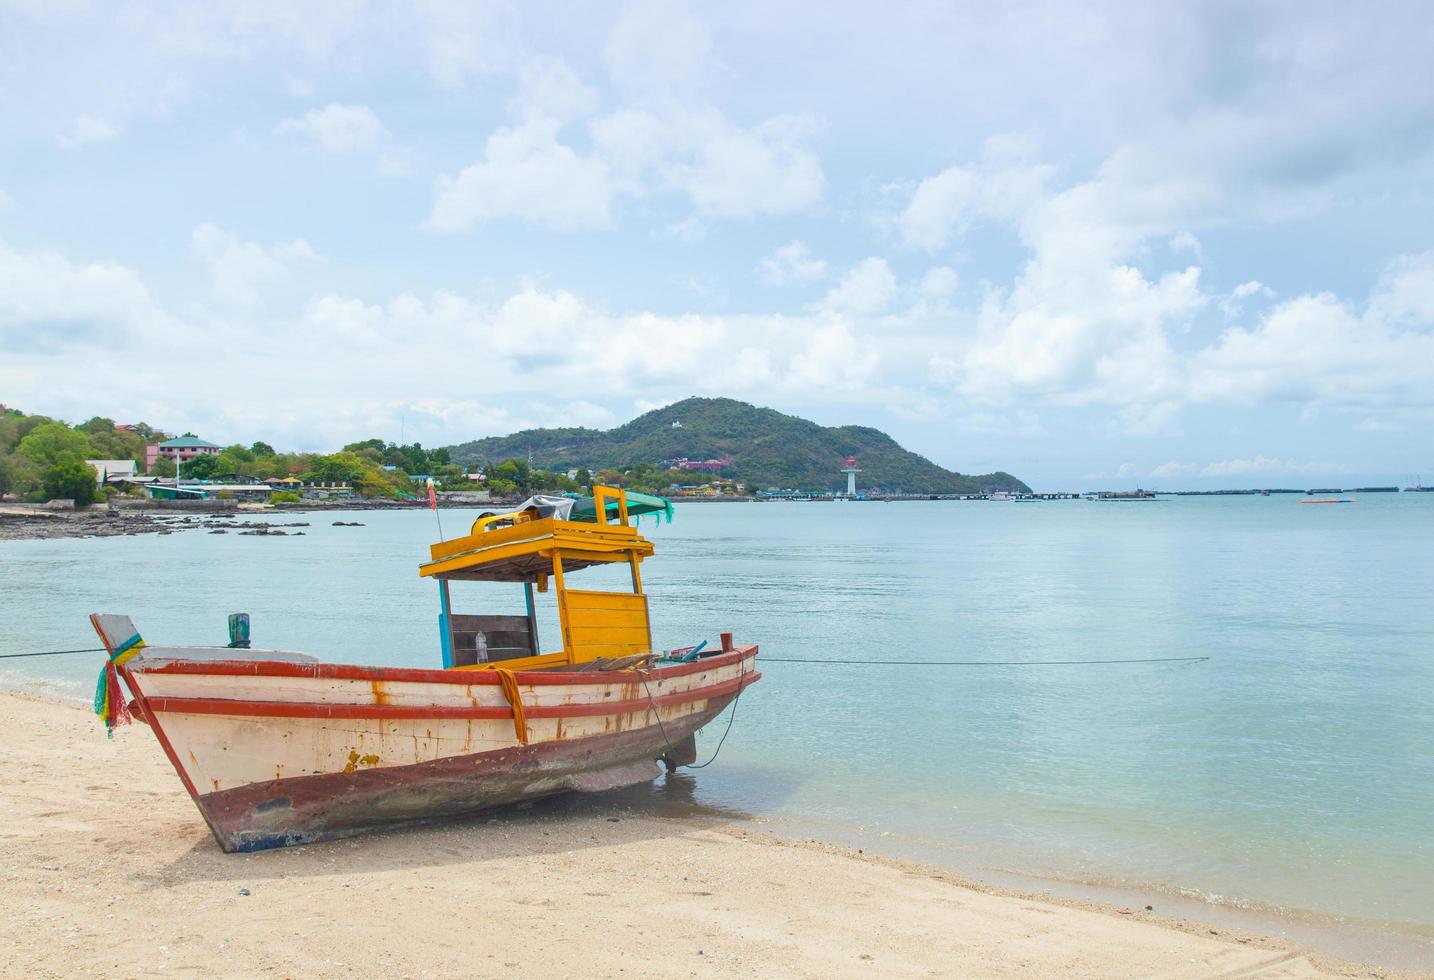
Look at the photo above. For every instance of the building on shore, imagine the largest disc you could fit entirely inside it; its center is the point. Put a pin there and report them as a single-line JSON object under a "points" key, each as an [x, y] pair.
{"points": [[177, 451], [112, 470]]}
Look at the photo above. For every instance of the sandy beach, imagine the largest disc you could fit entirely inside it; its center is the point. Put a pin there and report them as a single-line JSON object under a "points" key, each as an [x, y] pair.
{"points": [[108, 869]]}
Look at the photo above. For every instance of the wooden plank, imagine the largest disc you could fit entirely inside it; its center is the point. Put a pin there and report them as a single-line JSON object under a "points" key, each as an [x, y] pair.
{"points": [[610, 650], [521, 663], [605, 617], [586, 636], [464, 621], [626, 601], [562, 603], [490, 558], [548, 527]]}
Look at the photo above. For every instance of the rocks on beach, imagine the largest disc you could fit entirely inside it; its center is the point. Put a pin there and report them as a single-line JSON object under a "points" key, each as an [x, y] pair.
{"points": [[18, 522]]}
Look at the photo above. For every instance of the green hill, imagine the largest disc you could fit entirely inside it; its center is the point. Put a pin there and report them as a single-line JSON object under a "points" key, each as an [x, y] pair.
{"points": [[766, 449]]}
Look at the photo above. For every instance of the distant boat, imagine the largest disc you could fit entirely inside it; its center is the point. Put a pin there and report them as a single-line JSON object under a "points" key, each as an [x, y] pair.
{"points": [[1000, 495], [1328, 500], [1418, 487]]}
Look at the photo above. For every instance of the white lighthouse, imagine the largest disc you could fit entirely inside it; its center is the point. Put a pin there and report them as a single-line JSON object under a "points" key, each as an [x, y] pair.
{"points": [[851, 470]]}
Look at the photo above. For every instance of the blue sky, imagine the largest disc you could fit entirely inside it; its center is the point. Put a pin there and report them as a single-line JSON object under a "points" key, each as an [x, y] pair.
{"points": [[1178, 245]]}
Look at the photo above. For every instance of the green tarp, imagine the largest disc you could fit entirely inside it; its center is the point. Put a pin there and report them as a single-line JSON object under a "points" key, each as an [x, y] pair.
{"points": [[585, 509]]}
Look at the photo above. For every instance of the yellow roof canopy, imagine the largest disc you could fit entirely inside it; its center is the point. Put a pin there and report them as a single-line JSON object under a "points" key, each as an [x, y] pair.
{"points": [[525, 551]]}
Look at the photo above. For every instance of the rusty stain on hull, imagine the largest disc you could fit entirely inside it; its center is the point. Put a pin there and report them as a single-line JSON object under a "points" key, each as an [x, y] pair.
{"points": [[356, 760], [305, 809], [343, 763]]}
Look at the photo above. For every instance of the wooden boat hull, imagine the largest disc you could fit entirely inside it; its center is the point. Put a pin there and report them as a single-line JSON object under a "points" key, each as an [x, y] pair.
{"points": [[278, 753]]}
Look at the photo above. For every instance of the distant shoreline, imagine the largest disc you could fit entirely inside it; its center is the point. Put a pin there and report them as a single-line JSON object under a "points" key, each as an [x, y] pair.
{"points": [[20, 522]]}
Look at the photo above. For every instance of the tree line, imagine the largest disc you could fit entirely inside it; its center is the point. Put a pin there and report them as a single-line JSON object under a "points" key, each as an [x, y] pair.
{"points": [[44, 459]]}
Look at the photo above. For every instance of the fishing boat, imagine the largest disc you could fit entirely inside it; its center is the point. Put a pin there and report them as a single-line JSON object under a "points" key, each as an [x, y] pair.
{"points": [[1328, 500], [278, 748]]}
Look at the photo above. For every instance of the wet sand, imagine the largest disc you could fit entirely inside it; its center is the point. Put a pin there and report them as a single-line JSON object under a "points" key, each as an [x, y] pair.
{"points": [[107, 868]]}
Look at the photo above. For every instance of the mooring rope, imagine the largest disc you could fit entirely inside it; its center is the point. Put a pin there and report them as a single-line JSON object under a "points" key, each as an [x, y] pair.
{"points": [[52, 653], [985, 663], [652, 704]]}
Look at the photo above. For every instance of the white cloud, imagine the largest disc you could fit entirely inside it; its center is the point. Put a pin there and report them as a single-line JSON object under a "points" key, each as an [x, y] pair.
{"points": [[792, 262], [52, 306], [1018, 424], [996, 189], [464, 42], [539, 169], [1321, 349], [525, 172], [656, 44], [1268, 466], [1084, 324], [833, 356], [1186, 242], [89, 129], [550, 89], [1174, 468], [732, 172], [51, 309], [868, 288], [246, 274], [939, 283], [1094, 246], [339, 128], [1233, 304]]}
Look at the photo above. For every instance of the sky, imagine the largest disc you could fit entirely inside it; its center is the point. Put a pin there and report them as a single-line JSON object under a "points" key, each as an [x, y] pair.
{"points": [[1183, 245]]}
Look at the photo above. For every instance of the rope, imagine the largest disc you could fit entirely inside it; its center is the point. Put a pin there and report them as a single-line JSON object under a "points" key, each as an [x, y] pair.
{"points": [[986, 663], [509, 683], [741, 675], [52, 653]]}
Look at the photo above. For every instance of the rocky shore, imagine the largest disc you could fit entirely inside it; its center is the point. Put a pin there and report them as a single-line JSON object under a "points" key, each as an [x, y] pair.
{"points": [[101, 522]]}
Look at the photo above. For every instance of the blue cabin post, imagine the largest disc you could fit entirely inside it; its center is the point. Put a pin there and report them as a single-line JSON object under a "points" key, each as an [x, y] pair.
{"points": [[444, 629]]}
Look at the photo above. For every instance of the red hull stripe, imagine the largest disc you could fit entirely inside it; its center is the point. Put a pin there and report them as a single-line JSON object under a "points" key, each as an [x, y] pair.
{"points": [[354, 672], [305, 709]]}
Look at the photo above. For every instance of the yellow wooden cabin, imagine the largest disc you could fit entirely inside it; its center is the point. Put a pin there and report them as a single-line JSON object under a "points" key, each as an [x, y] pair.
{"points": [[540, 553]]}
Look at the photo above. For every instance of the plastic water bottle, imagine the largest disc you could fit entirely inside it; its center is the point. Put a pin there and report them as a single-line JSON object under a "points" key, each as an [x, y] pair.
{"points": [[480, 643]]}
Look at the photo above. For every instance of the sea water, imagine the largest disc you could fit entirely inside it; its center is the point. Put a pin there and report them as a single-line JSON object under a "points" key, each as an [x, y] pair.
{"points": [[1293, 769]]}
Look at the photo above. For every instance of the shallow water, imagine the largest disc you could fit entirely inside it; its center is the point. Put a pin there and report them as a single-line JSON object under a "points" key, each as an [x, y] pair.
{"points": [[1294, 769]]}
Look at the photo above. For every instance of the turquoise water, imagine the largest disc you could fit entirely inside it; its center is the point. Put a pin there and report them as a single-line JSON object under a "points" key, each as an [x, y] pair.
{"points": [[1294, 769]]}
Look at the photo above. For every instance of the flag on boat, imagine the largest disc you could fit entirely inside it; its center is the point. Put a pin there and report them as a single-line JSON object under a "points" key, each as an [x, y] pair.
{"points": [[432, 497]]}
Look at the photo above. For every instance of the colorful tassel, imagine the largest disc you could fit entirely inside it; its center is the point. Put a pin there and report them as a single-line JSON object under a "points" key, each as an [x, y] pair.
{"points": [[109, 696]]}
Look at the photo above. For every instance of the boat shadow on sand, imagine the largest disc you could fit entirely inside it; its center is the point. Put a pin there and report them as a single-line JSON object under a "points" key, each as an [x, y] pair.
{"points": [[666, 807]]}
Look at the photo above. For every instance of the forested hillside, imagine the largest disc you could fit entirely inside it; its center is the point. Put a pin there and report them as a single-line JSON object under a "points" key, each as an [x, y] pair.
{"points": [[765, 449]]}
